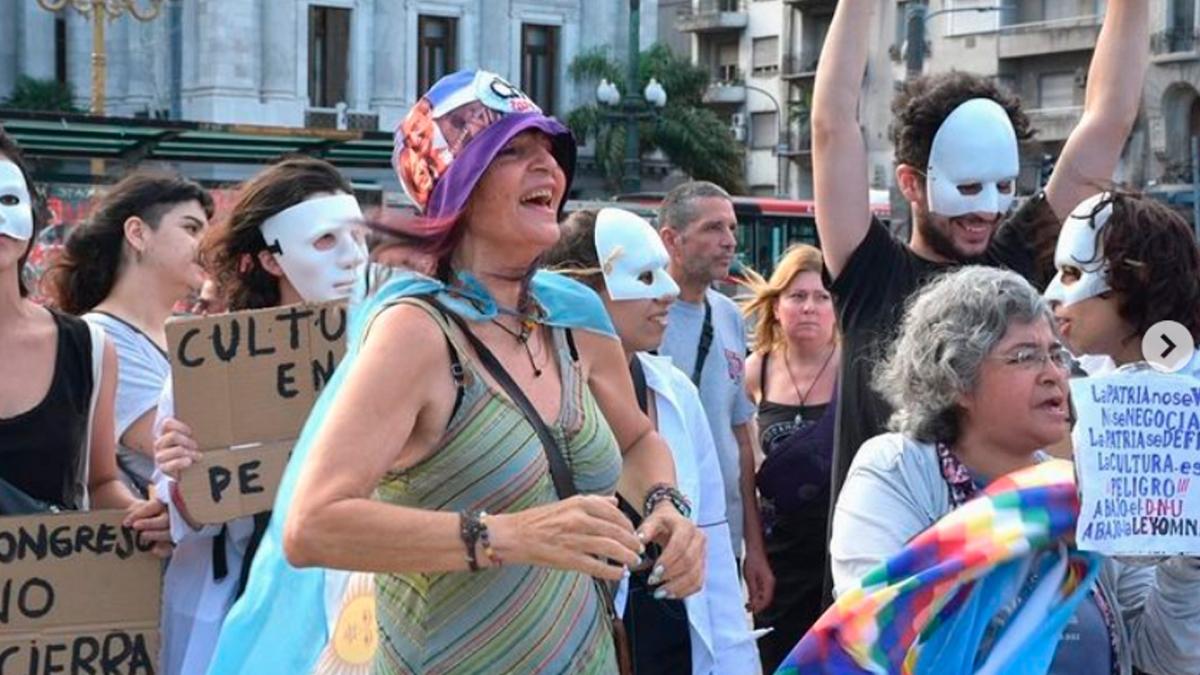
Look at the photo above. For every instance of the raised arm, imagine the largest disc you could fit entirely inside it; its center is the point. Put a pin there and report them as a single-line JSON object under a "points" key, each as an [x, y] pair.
{"points": [[839, 150], [1114, 92]]}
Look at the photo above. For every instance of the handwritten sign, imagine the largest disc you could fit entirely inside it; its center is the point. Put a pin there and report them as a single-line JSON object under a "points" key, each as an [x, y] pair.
{"points": [[78, 594], [245, 382], [226, 484], [1137, 451]]}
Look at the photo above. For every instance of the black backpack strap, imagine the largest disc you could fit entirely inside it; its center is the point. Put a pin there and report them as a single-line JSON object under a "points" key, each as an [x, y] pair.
{"points": [[702, 349], [560, 473], [639, 384]]}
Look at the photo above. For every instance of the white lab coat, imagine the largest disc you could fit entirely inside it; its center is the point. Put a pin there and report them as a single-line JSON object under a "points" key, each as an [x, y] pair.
{"points": [[720, 629]]}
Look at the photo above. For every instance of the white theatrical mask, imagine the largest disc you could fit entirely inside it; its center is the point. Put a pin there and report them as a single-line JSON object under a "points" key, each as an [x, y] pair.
{"points": [[632, 257], [16, 207], [976, 147], [319, 246], [1079, 249]]}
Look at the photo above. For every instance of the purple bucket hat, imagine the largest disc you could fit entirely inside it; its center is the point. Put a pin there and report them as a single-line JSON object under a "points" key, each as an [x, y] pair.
{"points": [[453, 133]]}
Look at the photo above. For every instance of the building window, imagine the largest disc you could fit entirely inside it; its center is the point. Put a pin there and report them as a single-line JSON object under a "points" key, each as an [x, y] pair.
{"points": [[764, 130], [328, 55], [727, 63], [436, 47], [539, 64], [1181, 26], [765, 58], [60, 48], [965, 22], [1056, 90]]}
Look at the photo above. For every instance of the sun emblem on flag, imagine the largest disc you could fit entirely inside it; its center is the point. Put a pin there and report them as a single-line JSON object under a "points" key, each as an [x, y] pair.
{"points": [[352, 645]]}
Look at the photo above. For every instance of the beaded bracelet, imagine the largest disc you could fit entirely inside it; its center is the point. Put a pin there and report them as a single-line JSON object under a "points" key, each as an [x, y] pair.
{"points": [[664, 492], [485, 539], [469, 530]]}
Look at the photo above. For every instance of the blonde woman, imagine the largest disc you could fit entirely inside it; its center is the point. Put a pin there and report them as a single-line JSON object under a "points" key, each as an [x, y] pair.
{"points": [[792, 378]]}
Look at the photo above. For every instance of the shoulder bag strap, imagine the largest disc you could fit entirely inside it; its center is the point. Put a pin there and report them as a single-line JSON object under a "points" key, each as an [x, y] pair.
{"points": [[702, 349], [564, 484]]}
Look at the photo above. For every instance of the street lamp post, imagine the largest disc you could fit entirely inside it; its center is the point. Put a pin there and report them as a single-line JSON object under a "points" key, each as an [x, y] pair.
{"points": [[634, 106], [781, 144], [98, 11]]}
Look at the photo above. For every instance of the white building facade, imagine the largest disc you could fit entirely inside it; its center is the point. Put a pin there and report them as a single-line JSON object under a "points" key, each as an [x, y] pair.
{"points": [[292, 62]]}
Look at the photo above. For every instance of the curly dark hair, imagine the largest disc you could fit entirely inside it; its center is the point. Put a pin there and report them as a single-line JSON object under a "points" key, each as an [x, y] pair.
{"points": [[94, 254], [11, 151], [230, 248], [1153, 263], [924, 103]]}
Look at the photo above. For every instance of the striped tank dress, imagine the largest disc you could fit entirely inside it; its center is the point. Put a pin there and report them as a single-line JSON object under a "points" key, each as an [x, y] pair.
{"points": [[518, 618]]}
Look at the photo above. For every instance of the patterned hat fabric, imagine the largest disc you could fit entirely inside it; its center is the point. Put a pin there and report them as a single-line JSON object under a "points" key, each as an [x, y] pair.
{"points": [[446, 142]]}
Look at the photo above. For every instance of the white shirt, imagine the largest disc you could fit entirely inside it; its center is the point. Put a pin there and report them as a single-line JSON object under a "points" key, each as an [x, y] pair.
{"points": [[194, 604], [720, 630]]}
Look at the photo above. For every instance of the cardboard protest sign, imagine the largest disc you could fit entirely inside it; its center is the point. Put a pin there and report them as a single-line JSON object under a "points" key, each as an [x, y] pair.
{"points": [[249, 378], [1137, 451], [78, 594]]}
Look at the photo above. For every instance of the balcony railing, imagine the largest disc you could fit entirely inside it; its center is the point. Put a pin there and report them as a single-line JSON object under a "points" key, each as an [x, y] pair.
{"points": [[1177, 40], [711, 16], [800, 65], [327, 118]]}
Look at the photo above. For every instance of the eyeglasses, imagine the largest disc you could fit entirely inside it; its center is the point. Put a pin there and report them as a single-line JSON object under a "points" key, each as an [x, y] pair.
{"points": [[1031, 358]]}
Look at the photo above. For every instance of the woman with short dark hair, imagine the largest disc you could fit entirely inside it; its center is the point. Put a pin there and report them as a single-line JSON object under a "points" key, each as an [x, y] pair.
{"points": [[125, 269]]}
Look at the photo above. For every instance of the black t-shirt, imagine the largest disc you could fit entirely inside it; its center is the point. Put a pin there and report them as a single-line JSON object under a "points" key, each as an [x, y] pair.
{"points": [[870, 296], [39, 448]]}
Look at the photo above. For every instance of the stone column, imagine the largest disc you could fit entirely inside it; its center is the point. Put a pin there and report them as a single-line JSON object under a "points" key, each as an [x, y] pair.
{"points": [[390, 40], [223, 61]]}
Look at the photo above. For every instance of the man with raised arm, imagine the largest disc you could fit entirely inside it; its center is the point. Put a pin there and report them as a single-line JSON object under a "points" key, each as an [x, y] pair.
{"points": [[955, 137]]}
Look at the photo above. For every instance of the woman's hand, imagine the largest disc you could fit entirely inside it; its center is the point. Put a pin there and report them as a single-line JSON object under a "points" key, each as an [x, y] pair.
{"points": [[586, 533], [175, 449], [150, 520], [680, 568], [760, 580]]}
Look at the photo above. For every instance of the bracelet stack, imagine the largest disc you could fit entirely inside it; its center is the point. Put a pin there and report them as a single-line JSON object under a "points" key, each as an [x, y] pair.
{"points": [[663, 492], [473, 530]]}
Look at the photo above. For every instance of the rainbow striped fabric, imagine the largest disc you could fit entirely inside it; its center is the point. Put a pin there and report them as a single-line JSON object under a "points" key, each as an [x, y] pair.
{"points": [[930, 608]]}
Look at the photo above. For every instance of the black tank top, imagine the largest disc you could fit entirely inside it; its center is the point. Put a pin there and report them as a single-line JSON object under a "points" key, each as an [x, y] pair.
{"points": [[39, 448]]}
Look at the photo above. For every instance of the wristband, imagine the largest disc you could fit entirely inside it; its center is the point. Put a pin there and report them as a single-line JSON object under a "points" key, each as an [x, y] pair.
{"points": [[663, 492], [469, 529]]}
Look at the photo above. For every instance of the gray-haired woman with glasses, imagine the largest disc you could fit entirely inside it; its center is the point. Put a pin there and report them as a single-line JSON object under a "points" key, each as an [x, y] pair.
{"points": [[978, 380]]}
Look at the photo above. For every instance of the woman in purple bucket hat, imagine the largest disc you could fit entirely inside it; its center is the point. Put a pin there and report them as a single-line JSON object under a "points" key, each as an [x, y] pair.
{"points": [[470, 445]]}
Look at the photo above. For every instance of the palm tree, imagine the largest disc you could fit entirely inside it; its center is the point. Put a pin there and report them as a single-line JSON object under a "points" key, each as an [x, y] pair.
{"points": [[689, 134]]}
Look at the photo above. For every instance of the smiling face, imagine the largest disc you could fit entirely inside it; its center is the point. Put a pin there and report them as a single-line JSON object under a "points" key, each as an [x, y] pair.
{"points": [[1019, 400], [514, 206], [319, 246], [969, 183], [805, 310]]}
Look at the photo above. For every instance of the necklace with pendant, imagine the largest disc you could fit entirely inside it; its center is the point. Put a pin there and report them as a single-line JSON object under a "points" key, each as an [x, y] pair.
{"points": [[799, 421]]}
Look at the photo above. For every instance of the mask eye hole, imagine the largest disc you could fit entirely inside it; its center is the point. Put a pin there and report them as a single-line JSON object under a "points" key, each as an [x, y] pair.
{"points": [[646, 277], [1005, 187], [1070, 275], [970, 189], [9, 200], [325, 242]]}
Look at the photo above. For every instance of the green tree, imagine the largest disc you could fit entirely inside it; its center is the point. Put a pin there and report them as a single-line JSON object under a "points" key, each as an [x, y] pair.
{"points": [[33, 94], [691, 135]]}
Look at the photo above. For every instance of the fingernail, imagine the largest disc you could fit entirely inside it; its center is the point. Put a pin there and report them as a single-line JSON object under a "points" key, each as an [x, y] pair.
{"points": [[641, 560], [659, 570], [641, 549], [641, 535], [661, 594]]}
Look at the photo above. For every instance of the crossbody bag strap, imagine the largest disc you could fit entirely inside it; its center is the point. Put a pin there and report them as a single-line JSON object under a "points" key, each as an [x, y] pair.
{"points": [[705, 344], [560, 473]]}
